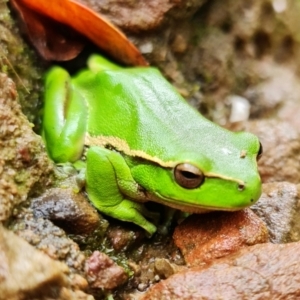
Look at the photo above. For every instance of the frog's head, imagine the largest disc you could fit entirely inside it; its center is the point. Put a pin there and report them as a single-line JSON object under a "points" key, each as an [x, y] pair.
{"points": [[221, 175]]}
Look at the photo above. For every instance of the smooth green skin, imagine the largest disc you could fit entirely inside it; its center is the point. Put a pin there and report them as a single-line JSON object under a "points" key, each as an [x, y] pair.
{"points": [[138, 108]]}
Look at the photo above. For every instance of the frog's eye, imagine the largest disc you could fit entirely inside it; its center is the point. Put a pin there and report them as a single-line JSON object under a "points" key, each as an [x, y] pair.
{"points": [[260, 152], [188, 176]]}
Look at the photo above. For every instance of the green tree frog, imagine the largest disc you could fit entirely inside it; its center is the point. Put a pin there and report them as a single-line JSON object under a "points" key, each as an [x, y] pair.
{"points": [[143, 141]]}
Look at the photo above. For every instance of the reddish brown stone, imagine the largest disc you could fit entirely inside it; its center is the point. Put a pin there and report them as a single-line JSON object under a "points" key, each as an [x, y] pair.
{"points": [[202, 238], [103, 272], [263, 272]]}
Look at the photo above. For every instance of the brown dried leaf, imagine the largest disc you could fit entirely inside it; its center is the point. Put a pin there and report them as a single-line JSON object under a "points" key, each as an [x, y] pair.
{"points": [[54, 41], [90, 24]]}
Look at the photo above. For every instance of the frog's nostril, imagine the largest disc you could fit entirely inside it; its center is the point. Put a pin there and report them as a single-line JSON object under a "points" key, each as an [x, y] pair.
{"points": [[241, 186]]}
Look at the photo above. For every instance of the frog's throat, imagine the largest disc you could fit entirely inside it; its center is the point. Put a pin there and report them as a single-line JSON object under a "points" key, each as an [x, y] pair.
{"points": [[187, 207], [122, 146]]}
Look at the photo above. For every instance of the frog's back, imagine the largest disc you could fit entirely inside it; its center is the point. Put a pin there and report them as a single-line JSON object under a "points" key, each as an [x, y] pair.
{"points": [[140, 108], [139, 111]]}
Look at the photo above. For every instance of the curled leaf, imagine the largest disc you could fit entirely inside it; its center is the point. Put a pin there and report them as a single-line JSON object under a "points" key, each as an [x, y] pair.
{"points": [[90, 24], [53, 40]]}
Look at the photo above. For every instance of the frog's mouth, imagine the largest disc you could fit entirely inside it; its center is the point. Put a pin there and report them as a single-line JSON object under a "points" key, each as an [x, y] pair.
{"points": [[188, 207]]}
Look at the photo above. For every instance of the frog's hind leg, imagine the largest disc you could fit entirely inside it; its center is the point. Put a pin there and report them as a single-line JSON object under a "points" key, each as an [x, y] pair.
{"points": [[110, 186], [64, 118]]}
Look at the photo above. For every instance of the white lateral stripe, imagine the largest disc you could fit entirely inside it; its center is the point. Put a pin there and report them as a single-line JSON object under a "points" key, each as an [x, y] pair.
{"points": [[122, 146]]}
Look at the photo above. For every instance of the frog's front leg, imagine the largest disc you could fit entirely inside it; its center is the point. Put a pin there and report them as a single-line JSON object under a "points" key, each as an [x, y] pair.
{"points": [[110, 186], [64, 118]]}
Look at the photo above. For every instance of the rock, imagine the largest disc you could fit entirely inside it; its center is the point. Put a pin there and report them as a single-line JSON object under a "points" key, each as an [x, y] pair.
{"points": [[68, 209], [179, 44], [240, 108], [51, 240], [24, 165], [279, 208], [142, 16], [281, 150], [21, 64], [276, 93], [147, 275], [27, 271], [123, 237], [164, 268], [203, 238], [151, 260], [103, 272], [67, 294], [263, 271]]}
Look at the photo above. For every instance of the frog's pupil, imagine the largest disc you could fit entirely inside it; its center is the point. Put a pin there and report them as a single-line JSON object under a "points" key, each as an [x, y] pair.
{"points": [[189, 175]]}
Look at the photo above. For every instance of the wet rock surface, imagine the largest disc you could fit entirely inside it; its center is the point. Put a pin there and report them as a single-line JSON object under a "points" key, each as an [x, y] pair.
{"points": [[264, 271], [204, 238]]}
